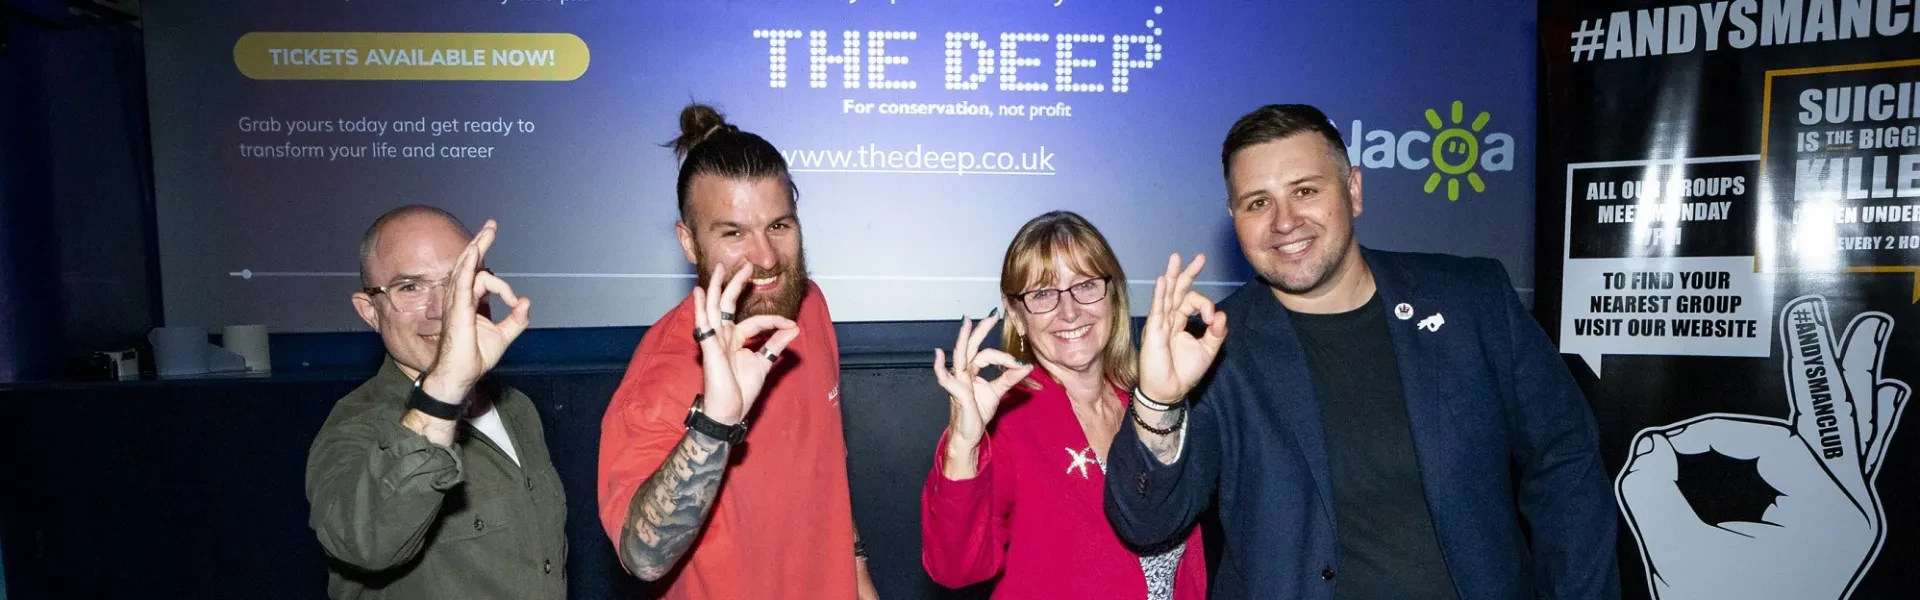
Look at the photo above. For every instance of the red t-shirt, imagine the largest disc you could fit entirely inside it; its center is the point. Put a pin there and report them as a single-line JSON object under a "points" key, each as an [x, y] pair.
{"points": [[782, 526]]}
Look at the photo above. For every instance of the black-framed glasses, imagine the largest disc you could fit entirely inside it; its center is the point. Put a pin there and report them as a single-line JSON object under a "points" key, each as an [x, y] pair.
{"points": [[409, 294], [1042, 301]]}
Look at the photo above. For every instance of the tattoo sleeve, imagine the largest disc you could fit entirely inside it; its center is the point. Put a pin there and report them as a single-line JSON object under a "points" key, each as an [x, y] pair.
{"points": [[671, 507]]}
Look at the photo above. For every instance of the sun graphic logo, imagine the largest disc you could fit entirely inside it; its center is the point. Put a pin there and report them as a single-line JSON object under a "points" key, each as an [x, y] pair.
{"points": [[1456, 151]]}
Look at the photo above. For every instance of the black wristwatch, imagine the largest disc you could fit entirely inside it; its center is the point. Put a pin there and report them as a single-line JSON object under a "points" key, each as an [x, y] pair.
{"points": [[420, 401], [698, 420]]}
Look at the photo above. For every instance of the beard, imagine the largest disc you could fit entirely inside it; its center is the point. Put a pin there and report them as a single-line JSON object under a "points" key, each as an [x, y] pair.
{"points": [[781, 301]]}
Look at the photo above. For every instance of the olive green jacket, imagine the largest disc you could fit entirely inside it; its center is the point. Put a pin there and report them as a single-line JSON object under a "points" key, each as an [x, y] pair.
{"points": [[403, 518]]}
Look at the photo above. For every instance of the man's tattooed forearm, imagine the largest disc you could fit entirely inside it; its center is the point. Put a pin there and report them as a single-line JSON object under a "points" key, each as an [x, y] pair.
{"points": [[668, 511]]}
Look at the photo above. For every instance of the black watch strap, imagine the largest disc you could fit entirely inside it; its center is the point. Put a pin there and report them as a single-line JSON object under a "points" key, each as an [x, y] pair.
{"points": [[698, 420], [420, 401]]}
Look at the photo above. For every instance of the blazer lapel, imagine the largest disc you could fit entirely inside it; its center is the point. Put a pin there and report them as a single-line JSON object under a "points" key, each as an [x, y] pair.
{"points": [[1417, 350], [1280, 366]]}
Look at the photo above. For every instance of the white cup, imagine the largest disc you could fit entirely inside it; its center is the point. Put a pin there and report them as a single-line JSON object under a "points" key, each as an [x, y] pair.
{"points": [[179, 350], [250, 342]]}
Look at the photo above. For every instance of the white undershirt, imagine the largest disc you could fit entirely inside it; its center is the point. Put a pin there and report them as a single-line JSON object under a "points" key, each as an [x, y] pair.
{"points": [[489, 423]]}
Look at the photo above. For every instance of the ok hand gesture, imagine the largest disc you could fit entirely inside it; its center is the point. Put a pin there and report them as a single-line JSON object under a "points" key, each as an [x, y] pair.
{"points": [[471, 343], [1172, 361], [733, 374], [973, 398]]}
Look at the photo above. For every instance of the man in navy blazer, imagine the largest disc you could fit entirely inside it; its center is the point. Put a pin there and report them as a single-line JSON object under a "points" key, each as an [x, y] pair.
{"points": [[1378, 425]]}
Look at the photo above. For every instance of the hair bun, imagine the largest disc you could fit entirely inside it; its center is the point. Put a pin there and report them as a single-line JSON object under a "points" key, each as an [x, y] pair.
{"points": [[698, 122]]}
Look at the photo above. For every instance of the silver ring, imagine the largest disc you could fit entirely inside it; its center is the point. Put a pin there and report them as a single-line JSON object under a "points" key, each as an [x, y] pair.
{"points": [[726, 315], [771, 355], [701, 336]]}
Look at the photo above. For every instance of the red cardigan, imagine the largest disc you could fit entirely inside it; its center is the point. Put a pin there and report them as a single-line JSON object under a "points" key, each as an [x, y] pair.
{"points": [[1034, 515]]}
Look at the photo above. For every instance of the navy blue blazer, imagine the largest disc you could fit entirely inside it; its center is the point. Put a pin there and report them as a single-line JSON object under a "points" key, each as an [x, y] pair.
{"points": [[1500, 431]]}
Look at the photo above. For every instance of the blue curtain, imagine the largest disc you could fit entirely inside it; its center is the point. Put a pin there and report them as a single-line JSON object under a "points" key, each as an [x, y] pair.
{"points": [[25, 215], [78, 269]]}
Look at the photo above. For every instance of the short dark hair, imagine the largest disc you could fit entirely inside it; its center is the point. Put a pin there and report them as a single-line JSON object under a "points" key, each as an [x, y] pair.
{"points": [[1279, 121], [372, 237], [709, 145]]}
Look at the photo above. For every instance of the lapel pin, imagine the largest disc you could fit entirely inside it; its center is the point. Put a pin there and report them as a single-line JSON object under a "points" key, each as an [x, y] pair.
{"points": [[1432, 323], [1404, 311]]}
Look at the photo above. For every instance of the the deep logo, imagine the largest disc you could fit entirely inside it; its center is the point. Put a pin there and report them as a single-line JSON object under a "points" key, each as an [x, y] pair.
{"points": [[971, 59]]}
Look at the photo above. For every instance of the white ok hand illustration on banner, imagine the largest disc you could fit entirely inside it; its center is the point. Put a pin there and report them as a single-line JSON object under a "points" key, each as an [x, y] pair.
{"points": [[1822, 533]]}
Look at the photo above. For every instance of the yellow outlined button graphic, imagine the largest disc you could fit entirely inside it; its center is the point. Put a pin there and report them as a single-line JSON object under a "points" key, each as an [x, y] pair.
{"points": [[411, 56], [1766, 128]]}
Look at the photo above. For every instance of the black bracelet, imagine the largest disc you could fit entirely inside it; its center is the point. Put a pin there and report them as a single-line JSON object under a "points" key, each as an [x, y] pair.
{"points": [[419, 400], [697, 420], [859, 549], [1154, 430]]}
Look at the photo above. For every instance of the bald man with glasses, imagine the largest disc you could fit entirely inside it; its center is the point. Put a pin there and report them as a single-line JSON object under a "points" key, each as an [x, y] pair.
{"points": [[432, 480]]}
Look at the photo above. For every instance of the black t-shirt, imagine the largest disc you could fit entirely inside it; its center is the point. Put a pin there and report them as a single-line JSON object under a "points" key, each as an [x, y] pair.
{"points": [[1388, 548]]}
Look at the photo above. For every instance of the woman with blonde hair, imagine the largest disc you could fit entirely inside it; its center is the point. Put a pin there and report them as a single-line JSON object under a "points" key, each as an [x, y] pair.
{"points": [[1016, 488]]}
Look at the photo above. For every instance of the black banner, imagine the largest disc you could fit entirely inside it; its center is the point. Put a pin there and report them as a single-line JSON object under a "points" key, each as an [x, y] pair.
{"points": [[1735, 189]]}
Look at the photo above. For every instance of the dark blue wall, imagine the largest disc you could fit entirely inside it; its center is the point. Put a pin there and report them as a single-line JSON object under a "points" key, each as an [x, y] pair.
{"points": [[194, 489]]}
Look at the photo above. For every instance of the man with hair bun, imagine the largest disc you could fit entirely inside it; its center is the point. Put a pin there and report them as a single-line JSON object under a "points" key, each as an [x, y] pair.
{"points": [[753, 344]]}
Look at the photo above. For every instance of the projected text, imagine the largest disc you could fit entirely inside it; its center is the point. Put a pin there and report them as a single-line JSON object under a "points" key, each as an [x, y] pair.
{"points": [[971, 60]]}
